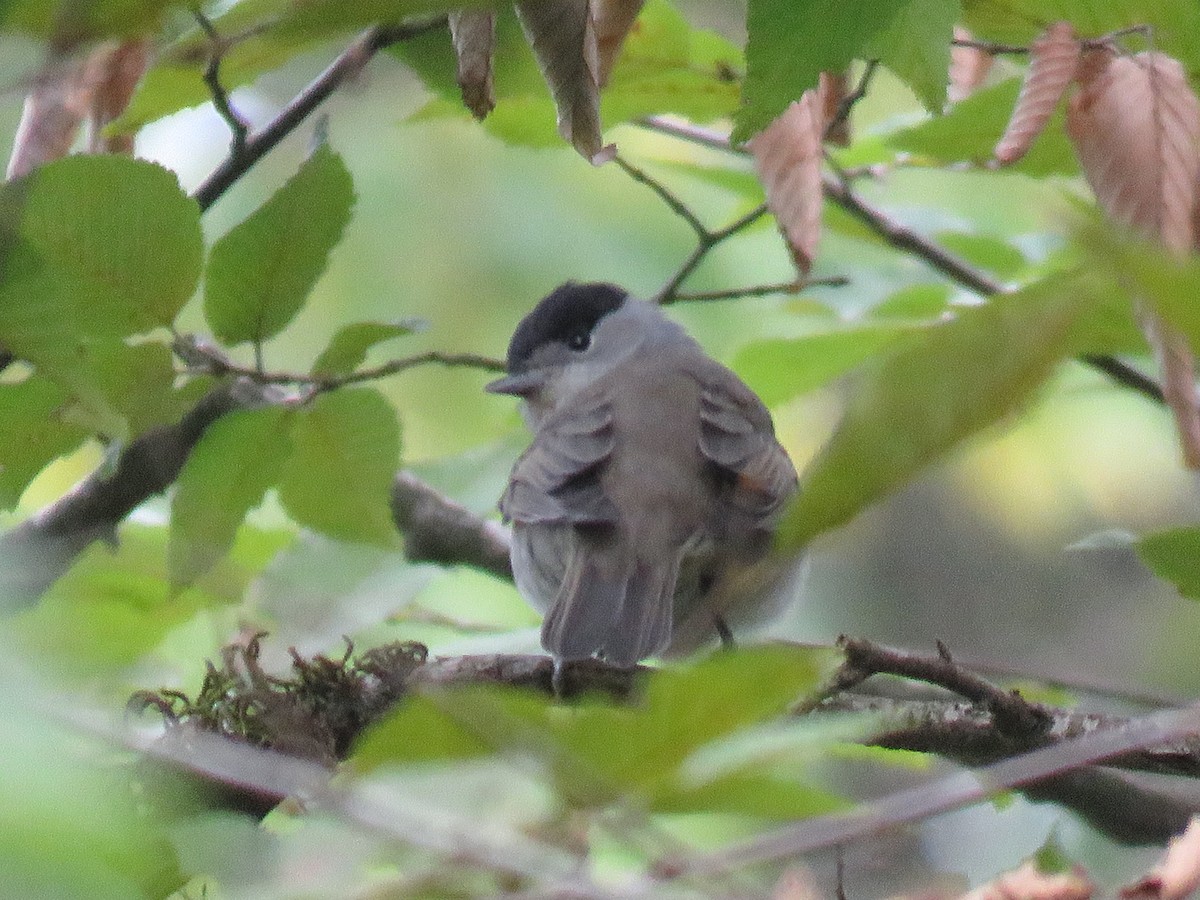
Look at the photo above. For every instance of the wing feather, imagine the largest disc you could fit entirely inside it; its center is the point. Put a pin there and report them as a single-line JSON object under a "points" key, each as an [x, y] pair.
{"points": [[737, 437], [555, 481]]}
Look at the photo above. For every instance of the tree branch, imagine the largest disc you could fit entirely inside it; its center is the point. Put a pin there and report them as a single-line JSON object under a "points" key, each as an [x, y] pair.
{"points": [[348, 64], [942, 795], [371, 682], [36, 552], [905, 239], [220, 97], [205, 358], [438, 530]]}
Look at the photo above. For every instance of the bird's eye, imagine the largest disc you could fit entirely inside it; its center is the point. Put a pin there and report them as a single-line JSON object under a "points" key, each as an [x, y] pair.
{"points": [[581, 340]]}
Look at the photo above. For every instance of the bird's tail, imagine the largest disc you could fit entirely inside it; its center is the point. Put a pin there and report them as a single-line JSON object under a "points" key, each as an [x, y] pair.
{"points": [[621, 612]]}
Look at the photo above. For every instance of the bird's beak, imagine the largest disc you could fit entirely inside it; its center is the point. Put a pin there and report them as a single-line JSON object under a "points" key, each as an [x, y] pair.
{"points": [[521, 385]]}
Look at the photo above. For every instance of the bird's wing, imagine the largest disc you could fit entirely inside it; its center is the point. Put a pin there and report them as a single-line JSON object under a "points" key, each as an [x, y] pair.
{"points": [[738, 439], [556, 480]]}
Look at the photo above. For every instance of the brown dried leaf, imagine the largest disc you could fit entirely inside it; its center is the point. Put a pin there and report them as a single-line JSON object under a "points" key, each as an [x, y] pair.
{"points": [[1177, 874], [969, 66], [1136, 128], [563, 39], [1135, 124], [1027, 883], [835, 87], [787, 157], [1053, 62], [474, 34], [613, 21], [119, 69], [54, 110]]}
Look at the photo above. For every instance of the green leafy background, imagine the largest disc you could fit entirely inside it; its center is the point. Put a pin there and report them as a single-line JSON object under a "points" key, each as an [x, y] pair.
{"points": [[958, 464]]}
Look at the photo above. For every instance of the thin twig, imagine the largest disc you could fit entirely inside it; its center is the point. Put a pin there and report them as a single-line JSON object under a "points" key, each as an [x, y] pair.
{"points": [[762, 290], [211, 361], [676, 205], [990, 47], [707, 242], [903, 238], [848, 102], [220, 97], [348, 63]]}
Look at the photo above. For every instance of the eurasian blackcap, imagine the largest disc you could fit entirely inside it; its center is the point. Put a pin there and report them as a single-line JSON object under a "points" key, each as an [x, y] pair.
{"points": [[653, 478]]}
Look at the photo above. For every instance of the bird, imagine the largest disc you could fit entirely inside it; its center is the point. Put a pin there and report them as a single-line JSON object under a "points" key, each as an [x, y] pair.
{"points": [[653, 478]]}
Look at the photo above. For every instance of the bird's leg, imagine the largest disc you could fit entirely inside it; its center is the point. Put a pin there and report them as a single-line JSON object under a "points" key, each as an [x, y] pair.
{"points": [[724, 632]]}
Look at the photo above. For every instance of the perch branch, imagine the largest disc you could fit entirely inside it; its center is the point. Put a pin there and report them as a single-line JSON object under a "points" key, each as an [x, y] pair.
{"points": [[348, 64], [370, 682], [905, 239]]}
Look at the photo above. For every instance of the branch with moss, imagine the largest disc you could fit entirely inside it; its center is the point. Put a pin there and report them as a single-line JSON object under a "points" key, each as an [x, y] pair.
{"points": [[318, 711]]}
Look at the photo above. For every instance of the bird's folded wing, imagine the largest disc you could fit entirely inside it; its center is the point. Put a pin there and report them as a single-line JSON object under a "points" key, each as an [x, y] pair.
{"points": [[556, 480], [737, 437]]}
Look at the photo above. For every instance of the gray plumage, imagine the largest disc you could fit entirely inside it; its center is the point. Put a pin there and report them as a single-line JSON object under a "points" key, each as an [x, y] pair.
{"points": [[653, 474]]}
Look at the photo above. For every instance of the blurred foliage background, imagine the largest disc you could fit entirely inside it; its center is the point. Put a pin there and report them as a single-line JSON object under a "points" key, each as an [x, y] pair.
{"points": [[1008, 551]]}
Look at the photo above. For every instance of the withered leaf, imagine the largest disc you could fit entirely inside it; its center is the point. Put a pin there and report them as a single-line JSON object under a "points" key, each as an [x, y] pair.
{"points": [[563, 38], [473, 32], [787, 156], [1135, 124], [613, 21], [1053, 62], [969, 66]]}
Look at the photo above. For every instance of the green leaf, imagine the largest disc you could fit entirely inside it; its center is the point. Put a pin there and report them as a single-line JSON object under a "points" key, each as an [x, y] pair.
{"points": [[1175, 23], [240, 456], [986, 252], [920, 302], [969, 131], [70, 825], [348, 349], [120, 223], [100, 246], [667, 66], [779, 369], [34, 434], [325, 17], [916, 403], [1174, 555], [338, 479], [1134, 268], [175, 81], [781, 65], [762, 796], [121, 390], [260, 273], [419, 731], [916, 46], [67, 23], [598, 752]]}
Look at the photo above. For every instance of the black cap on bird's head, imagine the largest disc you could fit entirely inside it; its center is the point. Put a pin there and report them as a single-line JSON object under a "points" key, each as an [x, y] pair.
{"points": [[567, 317]]}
